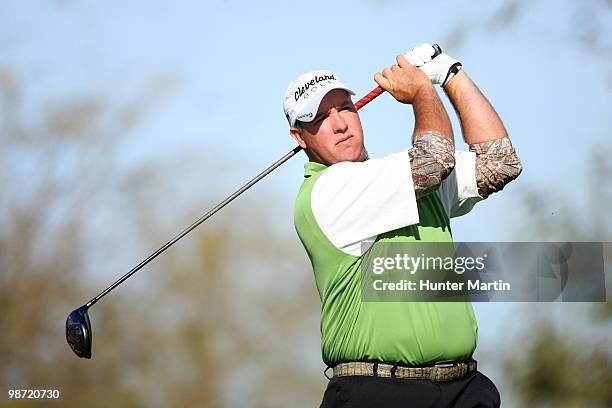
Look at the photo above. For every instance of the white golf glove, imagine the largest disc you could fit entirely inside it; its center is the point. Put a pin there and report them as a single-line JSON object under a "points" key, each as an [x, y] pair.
{"points": [[439, 70]]}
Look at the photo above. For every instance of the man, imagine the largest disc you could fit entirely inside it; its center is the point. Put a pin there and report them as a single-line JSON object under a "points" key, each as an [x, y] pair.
{"points": [[385, 354]]}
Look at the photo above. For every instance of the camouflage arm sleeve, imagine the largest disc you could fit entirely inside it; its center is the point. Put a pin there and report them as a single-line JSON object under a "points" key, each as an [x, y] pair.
{"points": [[496, 165], [432, 158]]}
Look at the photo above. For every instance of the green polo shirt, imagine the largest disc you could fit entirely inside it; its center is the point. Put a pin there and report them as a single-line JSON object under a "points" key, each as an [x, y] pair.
{"points": [[409, 333]]}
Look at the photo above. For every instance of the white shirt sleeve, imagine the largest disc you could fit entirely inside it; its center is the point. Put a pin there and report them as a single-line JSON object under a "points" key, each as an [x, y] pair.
{"points": [[356, 201], [459, 191]]}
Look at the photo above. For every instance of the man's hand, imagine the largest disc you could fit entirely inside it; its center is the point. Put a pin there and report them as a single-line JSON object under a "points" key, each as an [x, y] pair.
{"points": [[408, 84], [440, 70], [403, 80]]}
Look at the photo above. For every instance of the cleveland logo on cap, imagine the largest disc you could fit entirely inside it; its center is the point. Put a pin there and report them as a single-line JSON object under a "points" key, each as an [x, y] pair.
{"points": [[318, 78], [304, 94]]}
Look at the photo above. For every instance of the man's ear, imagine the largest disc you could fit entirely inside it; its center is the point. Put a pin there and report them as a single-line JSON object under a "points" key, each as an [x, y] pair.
{"points": [[297, 136]]}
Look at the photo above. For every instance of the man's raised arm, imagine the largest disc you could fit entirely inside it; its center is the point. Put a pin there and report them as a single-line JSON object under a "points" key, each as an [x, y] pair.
{"points": [[496, 160], [432, 153]]}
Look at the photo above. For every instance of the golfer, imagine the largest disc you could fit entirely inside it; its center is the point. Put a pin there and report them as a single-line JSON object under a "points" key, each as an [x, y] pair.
{"points": [[394, 354]]}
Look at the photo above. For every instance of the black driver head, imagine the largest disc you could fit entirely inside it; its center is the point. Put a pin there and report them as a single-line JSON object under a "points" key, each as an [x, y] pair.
{"points": [[78, 332]]}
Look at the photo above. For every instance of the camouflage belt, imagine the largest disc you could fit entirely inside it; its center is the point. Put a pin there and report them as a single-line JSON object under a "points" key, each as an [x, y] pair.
{"points": [[435, 373]]}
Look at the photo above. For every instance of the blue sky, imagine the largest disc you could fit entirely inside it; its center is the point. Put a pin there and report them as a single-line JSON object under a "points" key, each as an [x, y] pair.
{"points": [[227, 64]]}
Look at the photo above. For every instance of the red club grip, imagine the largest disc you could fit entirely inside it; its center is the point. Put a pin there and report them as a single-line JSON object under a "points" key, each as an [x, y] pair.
{"points": [[369, 97]]}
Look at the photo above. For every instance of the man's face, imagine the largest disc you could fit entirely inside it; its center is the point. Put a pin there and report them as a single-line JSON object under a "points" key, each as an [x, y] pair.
{"points": [[335, 134]]}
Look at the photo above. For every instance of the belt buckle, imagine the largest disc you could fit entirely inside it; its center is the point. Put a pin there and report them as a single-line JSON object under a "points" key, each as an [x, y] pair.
{"points": [[434, 371]]}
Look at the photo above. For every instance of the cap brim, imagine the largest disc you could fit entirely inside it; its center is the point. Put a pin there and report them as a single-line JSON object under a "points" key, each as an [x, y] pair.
{"points": [[313, 104]]}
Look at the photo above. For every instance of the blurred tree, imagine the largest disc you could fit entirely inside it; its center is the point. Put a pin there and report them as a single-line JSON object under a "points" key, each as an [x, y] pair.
{"points": [[558, 369], [51, 161], [553, 363], [551, 366], [227, 318]]}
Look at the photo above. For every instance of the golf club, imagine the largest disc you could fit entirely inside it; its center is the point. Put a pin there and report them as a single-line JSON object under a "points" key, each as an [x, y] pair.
{"points": [[78, 326]]}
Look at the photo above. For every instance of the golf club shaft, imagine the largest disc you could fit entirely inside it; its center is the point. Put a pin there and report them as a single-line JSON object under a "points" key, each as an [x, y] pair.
{"points": [[196, 223], [362, 102], [358, 105]]}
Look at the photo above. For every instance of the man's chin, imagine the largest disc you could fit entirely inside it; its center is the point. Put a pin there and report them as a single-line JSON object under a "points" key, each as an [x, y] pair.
{"points": [[354, 156], [357, 157], [347, 156], [361, 156]]}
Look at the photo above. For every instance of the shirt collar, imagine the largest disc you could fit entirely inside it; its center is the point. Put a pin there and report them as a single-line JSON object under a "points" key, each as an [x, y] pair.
{"points": [[311, 168]]}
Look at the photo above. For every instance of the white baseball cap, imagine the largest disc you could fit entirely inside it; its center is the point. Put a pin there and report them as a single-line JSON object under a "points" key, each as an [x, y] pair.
{"points": [[305, 93]]}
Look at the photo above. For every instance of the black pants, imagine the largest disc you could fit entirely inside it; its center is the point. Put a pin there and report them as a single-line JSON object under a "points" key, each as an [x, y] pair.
{"points": [[475, 390]]}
